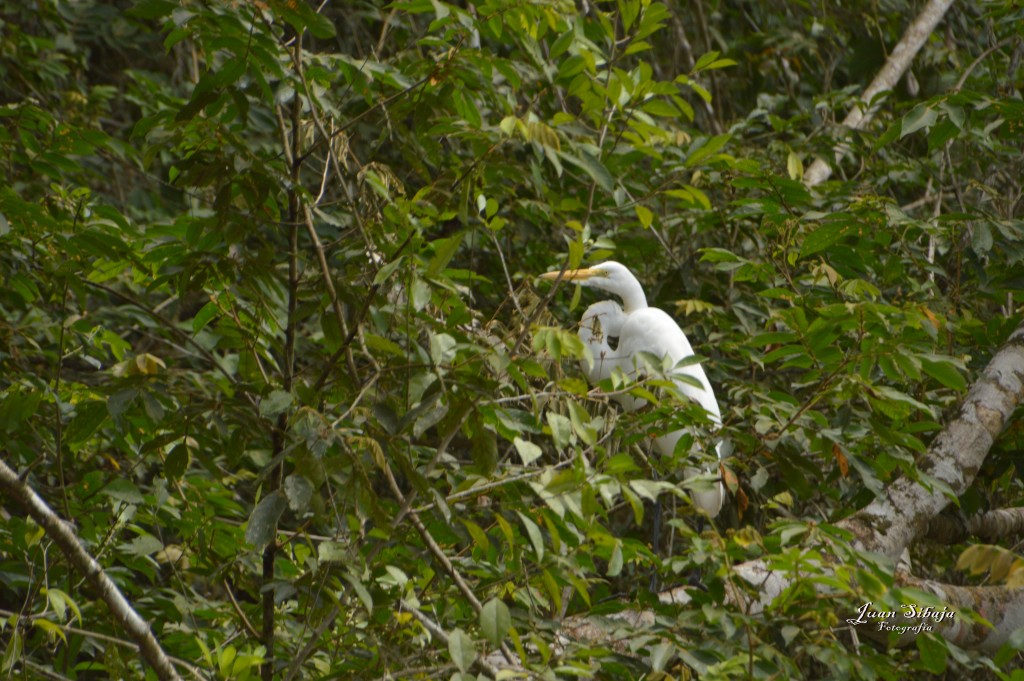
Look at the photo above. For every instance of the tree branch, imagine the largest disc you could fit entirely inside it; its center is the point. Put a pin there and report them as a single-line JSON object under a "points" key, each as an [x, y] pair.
{"points": [[995, 524], [63, 535], [435, 630], [897, 64], [97, 636], [890, 523], [1002, 606]]}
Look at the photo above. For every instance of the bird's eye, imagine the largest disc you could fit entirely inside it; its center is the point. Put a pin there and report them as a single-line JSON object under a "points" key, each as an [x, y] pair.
{"points": [[613, 342]]}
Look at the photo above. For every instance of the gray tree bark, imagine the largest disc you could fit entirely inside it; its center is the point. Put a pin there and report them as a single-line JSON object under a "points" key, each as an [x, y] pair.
{"points": [[64, 537], [888, 525], [897, 64]]}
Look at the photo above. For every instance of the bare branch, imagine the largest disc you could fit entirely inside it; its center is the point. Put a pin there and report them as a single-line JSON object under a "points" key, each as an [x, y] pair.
{"points": [[435, 630], [907, 510], [890, 523], [996, 524], [63, 535], [1002, 606], [897, 64]]}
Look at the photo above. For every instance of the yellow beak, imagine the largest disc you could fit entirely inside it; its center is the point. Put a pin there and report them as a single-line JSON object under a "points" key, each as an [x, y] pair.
{"points": [[573, 275]]}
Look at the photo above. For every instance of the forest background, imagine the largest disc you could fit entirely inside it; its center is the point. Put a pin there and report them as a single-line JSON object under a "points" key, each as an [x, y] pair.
{"points": [[273, 348]]}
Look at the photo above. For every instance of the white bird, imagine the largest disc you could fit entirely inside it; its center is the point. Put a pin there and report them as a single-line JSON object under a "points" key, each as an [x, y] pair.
{"points": [[640, 328]]}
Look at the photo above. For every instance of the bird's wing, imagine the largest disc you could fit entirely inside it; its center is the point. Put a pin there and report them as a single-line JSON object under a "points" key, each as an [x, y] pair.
{"points": [[654, 331]]}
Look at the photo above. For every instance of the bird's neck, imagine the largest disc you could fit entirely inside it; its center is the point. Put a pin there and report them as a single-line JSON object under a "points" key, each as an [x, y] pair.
{"points": [[633, 299]]}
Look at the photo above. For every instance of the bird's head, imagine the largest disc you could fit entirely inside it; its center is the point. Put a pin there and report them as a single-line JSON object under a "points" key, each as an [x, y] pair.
{"points": [[608, 276]]}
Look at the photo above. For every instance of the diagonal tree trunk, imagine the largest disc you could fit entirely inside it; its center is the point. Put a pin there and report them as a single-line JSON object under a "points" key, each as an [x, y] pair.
{"points": [[62, 535], [897, 64], [889, 524]]}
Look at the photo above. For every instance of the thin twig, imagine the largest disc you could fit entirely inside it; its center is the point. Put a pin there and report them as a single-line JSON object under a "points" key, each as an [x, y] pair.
{"points": [[187, 666], [241, 614], [504, 268], [160, 319], [435, 630]]}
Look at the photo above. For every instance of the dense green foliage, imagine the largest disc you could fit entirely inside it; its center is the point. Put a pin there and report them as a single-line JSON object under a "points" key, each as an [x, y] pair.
{"points": [[270, 328]]}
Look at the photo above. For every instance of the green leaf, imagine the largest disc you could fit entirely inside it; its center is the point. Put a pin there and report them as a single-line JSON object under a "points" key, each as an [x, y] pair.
{"points": [[615, 562], [508, 125], [462, 650], [151, 9], [361, 591], [822, 238], [61, 602], [143, 545], [772, 338], [331, 552], [495, 621], [561, 429], [719, 255], [262, 526], [444, 251], [561, 44], [933, 652], [895, 403], [484, 449], [385, 272], [53, 630], [13, 653], [629, 10], [299, 491], [593, 167], [721, 64], [528, 451], [921, 116], [1013, 645], [226, 659], [660, 107], [275, 403], [785, 351], [705, 150], [19, 404], [442, 348], [379, 343], [794, 166], [645, 215], [480, 539], [705, 60], [177, 462], [204, 316], [944, 372], [123, 490], [88, 418], [536, 538], [320, 26]]}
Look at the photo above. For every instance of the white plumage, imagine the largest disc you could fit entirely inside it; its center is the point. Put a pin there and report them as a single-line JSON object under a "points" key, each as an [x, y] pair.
{"points": [[640, 328]]}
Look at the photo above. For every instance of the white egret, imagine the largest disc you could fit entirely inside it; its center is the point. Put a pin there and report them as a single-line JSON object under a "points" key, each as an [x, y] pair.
{"points": [[640, 328]]}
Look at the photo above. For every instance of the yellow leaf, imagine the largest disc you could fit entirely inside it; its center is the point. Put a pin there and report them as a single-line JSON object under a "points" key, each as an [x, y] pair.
{"points": [[795, 166], [729, 478], [52, 630], [784, 499], [1016, 577], [747, 536], [645, 216], [149, 364], [968, 558], [1001, 565]]}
